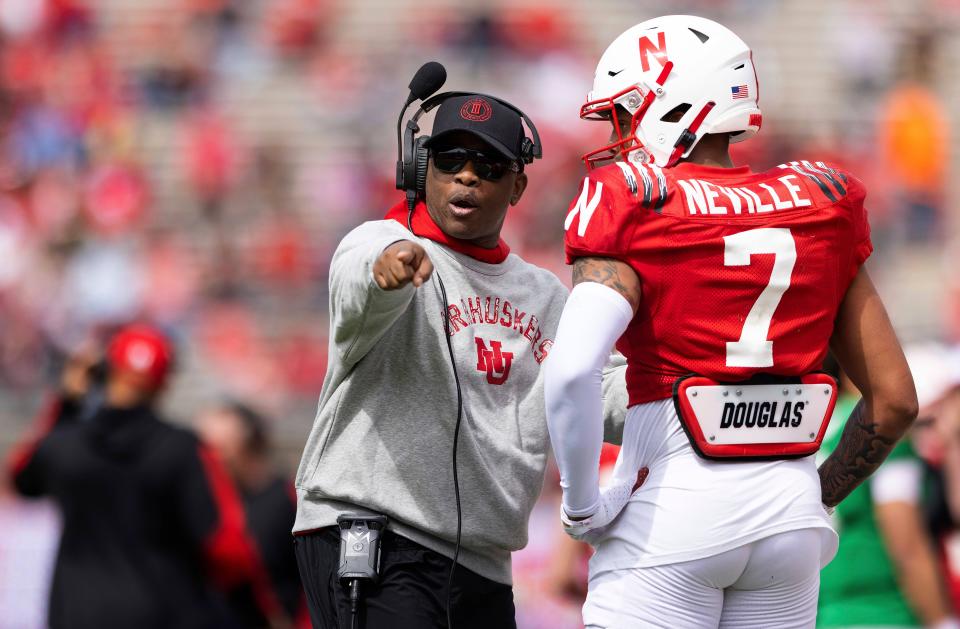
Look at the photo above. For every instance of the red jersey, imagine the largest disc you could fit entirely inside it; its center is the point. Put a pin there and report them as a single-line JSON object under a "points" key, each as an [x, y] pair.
{"points": [[742, 273]]}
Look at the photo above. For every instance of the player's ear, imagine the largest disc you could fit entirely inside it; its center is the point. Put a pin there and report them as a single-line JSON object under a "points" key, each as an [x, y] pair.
{"points": [[519, 185]]}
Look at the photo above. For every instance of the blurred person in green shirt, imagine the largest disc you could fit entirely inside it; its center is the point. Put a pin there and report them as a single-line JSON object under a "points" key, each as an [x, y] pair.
{"points": [[886, 572]]}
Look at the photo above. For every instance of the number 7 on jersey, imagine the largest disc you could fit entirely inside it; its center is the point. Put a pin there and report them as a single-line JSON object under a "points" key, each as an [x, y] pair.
{"points": [[753, 349]]}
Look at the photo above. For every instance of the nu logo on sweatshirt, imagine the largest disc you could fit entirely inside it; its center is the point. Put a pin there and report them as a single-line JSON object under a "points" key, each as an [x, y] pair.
{"points": [[493, 361]]}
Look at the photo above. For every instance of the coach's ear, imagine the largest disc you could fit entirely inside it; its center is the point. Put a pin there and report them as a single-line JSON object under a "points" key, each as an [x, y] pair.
{"points": [[519, 185]]}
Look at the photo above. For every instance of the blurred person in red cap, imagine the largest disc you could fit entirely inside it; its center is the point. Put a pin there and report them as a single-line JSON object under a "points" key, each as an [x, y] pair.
{"points": [[153, 530]]}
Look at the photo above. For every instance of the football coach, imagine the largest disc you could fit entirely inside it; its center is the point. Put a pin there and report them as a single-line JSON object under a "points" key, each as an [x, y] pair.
{"points": [[430, 442]]}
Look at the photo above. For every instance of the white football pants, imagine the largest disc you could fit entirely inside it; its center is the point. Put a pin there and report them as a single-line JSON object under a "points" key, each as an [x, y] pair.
{"points": [[770, 583]]}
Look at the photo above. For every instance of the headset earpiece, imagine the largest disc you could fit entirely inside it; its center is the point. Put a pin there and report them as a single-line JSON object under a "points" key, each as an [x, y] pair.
{"points": [[526, 151], [535, 150], [421, 155], [408, 177]]}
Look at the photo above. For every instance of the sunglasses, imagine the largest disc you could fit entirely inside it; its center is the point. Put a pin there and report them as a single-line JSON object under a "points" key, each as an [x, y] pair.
{"points": [[487, 167]]}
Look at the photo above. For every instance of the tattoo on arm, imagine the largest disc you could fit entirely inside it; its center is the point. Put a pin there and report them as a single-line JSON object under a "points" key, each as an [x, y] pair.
{"points": [[861, 451], [609, 272]]}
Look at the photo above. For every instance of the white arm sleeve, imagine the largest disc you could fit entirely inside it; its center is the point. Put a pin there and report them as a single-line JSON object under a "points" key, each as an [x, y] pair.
{"points": [[594, 317]]}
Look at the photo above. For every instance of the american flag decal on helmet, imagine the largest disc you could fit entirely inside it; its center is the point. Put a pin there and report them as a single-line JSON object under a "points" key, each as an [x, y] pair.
{"points": [[739, 91]]}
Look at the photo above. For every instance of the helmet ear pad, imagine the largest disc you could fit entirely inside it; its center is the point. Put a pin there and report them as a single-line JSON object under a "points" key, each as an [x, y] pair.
{"points": [[420, 156]]}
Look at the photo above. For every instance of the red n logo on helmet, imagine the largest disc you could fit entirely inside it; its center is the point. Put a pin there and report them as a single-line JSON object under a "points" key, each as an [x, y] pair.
{"points": [[659, 51]]}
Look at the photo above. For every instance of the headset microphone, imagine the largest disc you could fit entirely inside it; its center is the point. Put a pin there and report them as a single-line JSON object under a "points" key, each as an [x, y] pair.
{"points": [[429, 78]]}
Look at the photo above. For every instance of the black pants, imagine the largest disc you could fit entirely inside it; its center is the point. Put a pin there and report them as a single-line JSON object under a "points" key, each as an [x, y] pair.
{"points": [[411, 594]]}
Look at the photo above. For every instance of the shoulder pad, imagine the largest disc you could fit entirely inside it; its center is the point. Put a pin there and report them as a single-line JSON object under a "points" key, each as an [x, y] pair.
{"points": [[832, 181], [847, 192], [646, 183]]}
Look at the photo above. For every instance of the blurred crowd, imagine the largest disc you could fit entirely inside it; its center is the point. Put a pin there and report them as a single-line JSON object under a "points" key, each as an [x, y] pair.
{"points": [[141, 176], [91, 240], [192, 164]]}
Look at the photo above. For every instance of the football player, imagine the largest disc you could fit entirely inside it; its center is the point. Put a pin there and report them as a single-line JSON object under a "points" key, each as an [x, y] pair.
{"points": [[724, 288]]}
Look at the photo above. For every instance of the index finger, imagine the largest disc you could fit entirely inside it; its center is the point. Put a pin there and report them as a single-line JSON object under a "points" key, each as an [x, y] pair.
{"points": [[424, 271]]}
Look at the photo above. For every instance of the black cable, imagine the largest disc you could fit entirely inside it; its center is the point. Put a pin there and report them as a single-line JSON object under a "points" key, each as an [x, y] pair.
{"points": [[355, 603], [456, 431], [456, 436]]}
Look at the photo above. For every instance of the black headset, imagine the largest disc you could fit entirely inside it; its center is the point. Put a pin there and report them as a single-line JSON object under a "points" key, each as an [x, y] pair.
{"points": [[412, 175]]}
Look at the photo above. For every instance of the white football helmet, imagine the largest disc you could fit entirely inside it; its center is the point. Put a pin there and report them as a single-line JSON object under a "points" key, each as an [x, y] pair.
{"points": [[674, 62]]}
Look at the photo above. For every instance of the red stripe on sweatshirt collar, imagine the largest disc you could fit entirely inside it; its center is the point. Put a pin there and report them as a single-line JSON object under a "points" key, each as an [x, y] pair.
{"points": [[424, 227]]}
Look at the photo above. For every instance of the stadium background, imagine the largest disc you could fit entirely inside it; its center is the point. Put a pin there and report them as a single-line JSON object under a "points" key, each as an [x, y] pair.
{"points": [[194, 163]]}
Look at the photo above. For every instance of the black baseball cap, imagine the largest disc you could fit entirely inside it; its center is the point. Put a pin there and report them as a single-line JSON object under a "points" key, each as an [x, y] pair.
{"points": [[488, 119]]}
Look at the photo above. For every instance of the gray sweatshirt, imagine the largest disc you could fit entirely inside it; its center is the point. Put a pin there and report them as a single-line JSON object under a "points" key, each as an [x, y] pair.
{"points": [[383, 435]]}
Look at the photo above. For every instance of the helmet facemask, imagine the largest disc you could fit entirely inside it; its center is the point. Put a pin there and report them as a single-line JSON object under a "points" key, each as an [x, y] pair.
{"points": [[635, 100]]}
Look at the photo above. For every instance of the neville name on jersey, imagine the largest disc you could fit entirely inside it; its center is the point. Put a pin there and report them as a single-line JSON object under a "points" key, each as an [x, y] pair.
{"points": [[741, 272]]}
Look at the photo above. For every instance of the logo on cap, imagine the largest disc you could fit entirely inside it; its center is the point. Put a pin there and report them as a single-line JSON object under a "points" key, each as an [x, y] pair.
{"points": [[477, 110]]}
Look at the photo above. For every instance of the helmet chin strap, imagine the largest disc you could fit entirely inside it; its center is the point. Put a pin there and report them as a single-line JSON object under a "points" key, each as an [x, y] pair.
{"points": [[689, 135]]}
